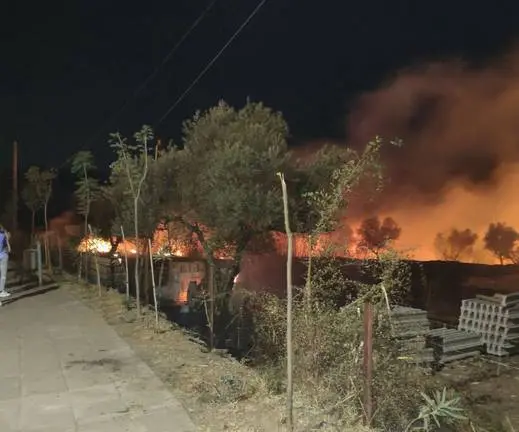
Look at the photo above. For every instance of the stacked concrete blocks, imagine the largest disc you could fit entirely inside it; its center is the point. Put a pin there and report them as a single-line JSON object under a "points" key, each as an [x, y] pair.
{"points": [[495, 319], [450, 345], [410, 326]]}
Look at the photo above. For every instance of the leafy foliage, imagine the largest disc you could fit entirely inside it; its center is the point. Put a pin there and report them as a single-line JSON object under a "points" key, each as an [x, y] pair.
{"points": [[457, 244], [129, 181], [375, 235], [501, 240], [221, 183], [327, 184], [228, 172], [39, 182], [87, 187], [437, 411]]}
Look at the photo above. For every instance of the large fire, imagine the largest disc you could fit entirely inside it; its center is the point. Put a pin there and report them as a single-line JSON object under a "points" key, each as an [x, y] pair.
{"points": [[459, 162], [458, 165]]}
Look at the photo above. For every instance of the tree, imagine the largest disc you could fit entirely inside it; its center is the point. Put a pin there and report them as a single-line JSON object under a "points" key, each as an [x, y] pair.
{"points": [[87, 187], [133, 162], [227, 176], [456, 244], [326, 183], [40, 182], [32, 201], [223, 185], [501, 239], [376, 235]]}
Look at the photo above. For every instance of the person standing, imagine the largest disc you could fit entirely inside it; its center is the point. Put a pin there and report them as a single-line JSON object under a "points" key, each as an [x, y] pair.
{"points": [[5, 250]]}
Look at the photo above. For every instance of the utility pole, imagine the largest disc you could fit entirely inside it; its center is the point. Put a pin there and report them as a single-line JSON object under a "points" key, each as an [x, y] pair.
{"points": [[15, 186]]}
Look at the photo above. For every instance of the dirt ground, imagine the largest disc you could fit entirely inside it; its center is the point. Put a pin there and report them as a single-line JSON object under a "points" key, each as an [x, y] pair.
{"points": [[223, 395], [490, 386]]}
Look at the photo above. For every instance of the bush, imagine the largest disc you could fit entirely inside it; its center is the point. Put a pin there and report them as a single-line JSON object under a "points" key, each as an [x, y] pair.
{"points": [[328, 346]]}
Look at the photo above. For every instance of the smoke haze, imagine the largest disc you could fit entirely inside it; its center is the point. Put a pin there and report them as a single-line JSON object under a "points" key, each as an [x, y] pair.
{"points": [[459, 165]]}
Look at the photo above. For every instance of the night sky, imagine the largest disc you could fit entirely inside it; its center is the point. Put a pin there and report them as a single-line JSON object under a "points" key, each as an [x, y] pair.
{"points": [[67, 68]]}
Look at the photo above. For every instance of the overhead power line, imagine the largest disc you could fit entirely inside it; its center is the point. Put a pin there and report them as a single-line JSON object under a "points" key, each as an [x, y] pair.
{"points": [[155, 72], [213, 60], [170, 53]]}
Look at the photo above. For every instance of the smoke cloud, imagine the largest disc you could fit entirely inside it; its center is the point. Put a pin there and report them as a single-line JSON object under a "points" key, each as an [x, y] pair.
{"points": [[459, 165]]}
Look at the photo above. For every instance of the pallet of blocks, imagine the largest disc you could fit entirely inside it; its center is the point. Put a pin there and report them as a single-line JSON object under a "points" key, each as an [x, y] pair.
{"points": [[450, 345], [495, 319], [410, 326]]}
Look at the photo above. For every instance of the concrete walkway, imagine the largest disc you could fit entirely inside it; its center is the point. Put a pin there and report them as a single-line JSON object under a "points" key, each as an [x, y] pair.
{"points": [[63, 369]]}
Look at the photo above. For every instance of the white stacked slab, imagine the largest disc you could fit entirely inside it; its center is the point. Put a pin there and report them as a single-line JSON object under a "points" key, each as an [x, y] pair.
{"points": [[495, 319]]}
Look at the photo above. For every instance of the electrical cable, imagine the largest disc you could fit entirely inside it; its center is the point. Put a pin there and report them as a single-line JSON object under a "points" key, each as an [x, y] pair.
{"points": [[155, 72], [213, 60]]}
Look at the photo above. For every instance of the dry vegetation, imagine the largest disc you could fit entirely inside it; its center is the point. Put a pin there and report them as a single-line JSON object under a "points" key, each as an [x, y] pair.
{"points": [[223, 394], [220, 393]]}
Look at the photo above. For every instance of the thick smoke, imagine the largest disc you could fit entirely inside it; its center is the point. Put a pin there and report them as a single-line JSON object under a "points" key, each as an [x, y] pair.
{"points": [[459, 165]]}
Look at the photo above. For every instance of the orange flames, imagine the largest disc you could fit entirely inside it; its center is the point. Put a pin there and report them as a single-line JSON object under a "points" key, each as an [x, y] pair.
{"points": [[161, 245]]}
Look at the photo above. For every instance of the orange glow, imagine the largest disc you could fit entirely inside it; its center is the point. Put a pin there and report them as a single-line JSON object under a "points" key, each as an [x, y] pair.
{"points": [[95, 245], [461, 207], [161, 246]]}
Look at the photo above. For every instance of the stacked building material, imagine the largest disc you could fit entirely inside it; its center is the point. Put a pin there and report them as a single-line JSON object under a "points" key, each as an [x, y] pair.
{"points": [[495, 319], [450, 345], [410, 326]]}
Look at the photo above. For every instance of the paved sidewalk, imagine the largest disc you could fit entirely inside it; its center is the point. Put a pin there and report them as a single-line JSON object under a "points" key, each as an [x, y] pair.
{"points": [[63, 369]]}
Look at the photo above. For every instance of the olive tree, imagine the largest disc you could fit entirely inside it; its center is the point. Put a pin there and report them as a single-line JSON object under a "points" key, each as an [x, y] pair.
{"points": [[501, 240], [456, 244], [222, 182]]}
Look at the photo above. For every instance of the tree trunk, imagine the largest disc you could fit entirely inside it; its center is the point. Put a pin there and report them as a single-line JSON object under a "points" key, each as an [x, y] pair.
{"points": [[308, 285], [146, 282], [127, 281], [210, 313], [155, 304], [161, 274], [87, 210], [96, 262], [45, 217]]}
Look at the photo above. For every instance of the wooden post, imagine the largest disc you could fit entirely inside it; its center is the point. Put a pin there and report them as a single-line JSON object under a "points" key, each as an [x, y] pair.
{"points": [[96, 263], [288, 230], [210, 283], [15, 187], [368, 361], [127, 281], [60, 254], [155, 304], [39, 263]]}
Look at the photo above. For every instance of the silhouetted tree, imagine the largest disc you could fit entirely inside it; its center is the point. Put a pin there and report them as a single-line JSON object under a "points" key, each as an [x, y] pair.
{"points": [[40, 183], [501, 239], [32, 200], [455, 244], [132, 164], [375, 234], [87, 187]]}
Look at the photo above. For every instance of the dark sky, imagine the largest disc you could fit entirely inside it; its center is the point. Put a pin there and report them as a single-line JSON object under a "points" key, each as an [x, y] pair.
{"points": [[68, 67]]}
